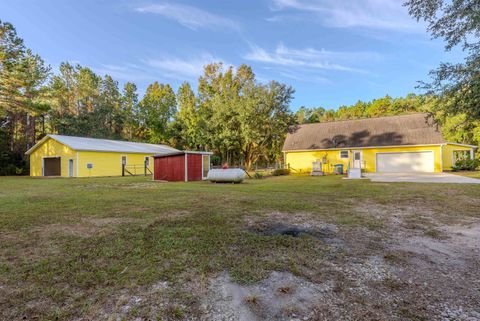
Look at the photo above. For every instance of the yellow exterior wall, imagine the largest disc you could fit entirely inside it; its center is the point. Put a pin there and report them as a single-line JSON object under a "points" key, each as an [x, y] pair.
{"points": [[104, 163], [302, 161], [109, 163], [447, 151], [51, 148]]}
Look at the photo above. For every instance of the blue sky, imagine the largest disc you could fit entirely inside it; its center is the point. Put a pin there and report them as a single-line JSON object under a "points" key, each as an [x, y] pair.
{"points": [[332, 52]]}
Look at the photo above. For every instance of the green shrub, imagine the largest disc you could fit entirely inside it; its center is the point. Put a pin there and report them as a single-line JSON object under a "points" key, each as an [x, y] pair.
{"points": [[281, 172], [257, 175], [215, 160], [466, 165]]}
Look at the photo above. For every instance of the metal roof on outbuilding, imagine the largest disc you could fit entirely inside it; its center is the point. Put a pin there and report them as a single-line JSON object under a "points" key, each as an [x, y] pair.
{"points": [[106, 145], [182, 152]]}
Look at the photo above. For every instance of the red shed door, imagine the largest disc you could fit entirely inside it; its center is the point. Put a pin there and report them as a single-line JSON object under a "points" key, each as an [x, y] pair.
{"points": [[194, 167], [170, 168]]}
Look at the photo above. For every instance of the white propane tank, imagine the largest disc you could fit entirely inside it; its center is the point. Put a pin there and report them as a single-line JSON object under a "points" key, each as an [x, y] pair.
{"points": [[228, 175]]}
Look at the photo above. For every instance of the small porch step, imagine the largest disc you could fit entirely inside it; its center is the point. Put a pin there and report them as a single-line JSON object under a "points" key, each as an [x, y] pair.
{"points": [[354, 173]]}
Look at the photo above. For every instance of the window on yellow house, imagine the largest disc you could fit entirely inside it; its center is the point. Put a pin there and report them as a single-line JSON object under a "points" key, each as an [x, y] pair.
{"points": [[344, 154], [459, 155]]}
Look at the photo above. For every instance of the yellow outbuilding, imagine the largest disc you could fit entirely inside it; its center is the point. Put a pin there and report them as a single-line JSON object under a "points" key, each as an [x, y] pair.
{"points": [[406, 143], [68, 156]]}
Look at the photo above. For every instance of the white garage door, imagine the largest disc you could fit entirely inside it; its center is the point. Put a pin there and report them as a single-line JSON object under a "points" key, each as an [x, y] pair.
{"points": [[405, 162]]}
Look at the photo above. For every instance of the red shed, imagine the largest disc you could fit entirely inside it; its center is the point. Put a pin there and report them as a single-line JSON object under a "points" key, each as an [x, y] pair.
{"points": [[181, 166]]}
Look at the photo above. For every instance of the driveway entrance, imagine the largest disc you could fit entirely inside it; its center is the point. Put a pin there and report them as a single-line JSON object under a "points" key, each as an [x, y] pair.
{"points": [[421, 178]]}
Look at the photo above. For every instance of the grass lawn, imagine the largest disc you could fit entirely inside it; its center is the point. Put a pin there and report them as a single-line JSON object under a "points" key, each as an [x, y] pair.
{"points": [[127, 248], [473, 174]]}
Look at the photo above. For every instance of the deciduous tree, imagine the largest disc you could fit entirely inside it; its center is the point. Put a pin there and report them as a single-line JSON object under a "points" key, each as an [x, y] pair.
{"points": [[457, 22], [156, 111]]}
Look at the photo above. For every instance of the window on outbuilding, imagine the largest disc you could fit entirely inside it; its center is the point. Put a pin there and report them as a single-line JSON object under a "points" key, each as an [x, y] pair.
{"points": [[344, 154]]}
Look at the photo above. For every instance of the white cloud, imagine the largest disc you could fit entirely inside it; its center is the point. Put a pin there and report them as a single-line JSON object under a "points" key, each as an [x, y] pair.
{"points": [[299, 76], [189, 16], [162, 68], [181, 68], [373, 14], [309, 58], [124, 72]]}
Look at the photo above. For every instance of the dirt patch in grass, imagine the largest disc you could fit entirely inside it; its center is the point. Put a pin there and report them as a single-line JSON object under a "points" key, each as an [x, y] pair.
{"points": [[432, 260], [421, 230], [293, 225], [161, 300], [459, 243], [281, 296], [414, 267], [151, 301], [326, 233], [397, 214]]}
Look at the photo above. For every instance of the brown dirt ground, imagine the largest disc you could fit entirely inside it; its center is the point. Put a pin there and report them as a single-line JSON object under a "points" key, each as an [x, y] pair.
{"points": [[414, 268]]}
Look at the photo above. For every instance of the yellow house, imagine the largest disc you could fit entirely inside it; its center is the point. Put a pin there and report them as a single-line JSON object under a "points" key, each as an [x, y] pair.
{"points": [[68, 156], [407, 143]]}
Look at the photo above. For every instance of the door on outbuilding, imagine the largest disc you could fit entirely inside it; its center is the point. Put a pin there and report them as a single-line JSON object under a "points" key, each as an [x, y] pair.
{"points": [[52, 166], [420, 162], [169, 168], [70, 168]]}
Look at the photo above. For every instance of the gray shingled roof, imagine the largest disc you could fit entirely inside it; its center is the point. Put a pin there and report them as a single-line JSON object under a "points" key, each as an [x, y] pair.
{"points": [[106, 145], [413, 129]]}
